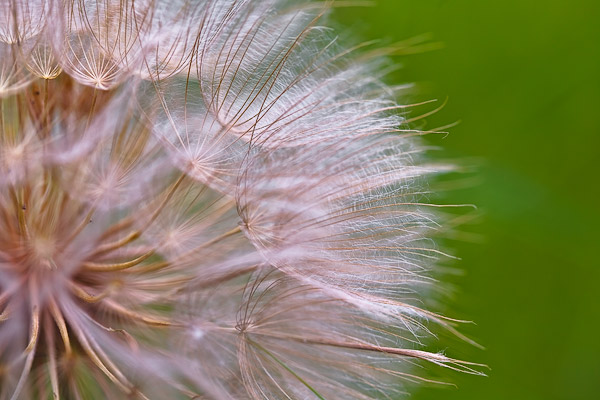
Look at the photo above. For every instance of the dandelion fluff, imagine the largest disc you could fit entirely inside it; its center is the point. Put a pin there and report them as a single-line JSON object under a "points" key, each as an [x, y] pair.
{"points": [[207, 199]]}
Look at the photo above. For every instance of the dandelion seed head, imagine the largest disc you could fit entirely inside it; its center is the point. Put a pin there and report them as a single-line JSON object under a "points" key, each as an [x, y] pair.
{"points": [[206, 199]]}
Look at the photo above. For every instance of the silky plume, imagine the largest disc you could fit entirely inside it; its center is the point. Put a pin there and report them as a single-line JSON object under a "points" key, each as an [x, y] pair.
{"points": [[208, 199]]}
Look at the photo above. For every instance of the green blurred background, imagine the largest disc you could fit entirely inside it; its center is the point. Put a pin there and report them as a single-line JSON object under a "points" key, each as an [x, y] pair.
{"points": [[523, 76]]}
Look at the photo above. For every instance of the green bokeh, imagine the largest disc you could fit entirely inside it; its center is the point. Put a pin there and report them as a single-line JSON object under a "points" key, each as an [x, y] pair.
{"points": [[524, 78]]}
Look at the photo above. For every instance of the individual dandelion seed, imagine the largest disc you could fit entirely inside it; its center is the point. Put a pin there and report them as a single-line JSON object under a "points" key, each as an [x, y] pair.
{"points": [[290, 339], [206, 199], [20, 20]]}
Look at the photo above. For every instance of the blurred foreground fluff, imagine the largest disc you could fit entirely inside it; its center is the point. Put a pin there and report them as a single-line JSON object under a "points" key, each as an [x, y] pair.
{"points": [[205, 199]]}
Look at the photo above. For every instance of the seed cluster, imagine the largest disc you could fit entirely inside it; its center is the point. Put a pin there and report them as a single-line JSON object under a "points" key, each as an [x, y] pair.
{"points": [[206, 199]]}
